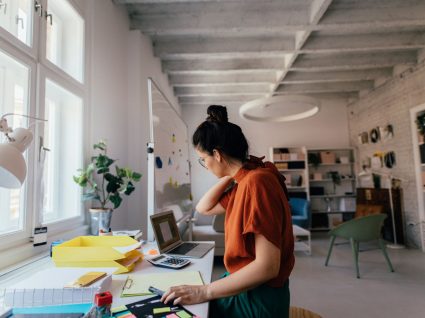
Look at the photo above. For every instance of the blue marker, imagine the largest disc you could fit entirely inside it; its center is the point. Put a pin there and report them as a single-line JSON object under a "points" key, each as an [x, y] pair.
{"points": [[156, 291]]}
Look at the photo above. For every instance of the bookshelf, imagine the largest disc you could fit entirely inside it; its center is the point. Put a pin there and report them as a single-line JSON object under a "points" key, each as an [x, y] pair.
{"points": [[332, 186], [292, 164]]}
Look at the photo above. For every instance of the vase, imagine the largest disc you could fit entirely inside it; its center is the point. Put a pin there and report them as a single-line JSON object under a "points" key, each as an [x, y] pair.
{"points": [[100, 219]]}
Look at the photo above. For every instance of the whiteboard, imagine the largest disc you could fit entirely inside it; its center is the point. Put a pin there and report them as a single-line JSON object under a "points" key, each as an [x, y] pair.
{"points": [[168, 157]]}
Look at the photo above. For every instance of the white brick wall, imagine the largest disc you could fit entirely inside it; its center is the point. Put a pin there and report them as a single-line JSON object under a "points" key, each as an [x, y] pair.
{"points": [[390, 104]]}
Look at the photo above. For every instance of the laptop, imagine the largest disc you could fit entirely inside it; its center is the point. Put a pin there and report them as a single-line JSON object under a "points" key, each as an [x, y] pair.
{"points": [[169, 241]]}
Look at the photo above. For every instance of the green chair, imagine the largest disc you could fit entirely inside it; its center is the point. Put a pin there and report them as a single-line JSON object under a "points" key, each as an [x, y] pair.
{"points": [[358, 230]]}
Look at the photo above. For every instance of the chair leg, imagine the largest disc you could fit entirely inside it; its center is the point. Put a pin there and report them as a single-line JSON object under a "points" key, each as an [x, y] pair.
{"points": [[330, 249], [355, 249], [384, 251]]}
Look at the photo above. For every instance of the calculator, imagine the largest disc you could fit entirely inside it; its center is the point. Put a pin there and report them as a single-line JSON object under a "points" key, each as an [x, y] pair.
{"points": [[169, 262]]}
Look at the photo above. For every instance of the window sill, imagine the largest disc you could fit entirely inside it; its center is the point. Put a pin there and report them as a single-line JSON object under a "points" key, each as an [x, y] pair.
{"points": [[17, 256]]}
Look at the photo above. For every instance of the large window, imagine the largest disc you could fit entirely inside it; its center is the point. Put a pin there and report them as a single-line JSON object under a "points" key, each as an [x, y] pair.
{"points": [[62, 134], [43, 80], [13, 99]]}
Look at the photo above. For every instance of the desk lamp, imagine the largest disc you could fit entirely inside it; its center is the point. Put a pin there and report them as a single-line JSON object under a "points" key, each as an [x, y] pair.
{"points": [[13, 168], [396, 245]]}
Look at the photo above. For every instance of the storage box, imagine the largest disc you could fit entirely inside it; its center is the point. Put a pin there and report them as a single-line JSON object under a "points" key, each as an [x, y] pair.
{"points": [[296, 165], [277, 156], [344, 160], [98, 251], [334, 220], [317, 190], [327, 157], [286, 156], [281, 165], [293, 156], [317, 176]]}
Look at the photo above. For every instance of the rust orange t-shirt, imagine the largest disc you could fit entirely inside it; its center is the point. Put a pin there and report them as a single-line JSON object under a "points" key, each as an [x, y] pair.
{"points": [[257, 204]]}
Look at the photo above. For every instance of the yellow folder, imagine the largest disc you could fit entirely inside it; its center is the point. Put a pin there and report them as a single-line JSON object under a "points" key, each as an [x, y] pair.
{"points": [[98, 251], [138, 285]]}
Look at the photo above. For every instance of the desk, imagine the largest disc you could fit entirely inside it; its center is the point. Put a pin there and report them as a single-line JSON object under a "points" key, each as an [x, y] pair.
{"points": [[203, 265]]}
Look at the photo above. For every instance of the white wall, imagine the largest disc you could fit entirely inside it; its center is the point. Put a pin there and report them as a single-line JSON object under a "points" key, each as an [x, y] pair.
{"points": [[327, 129], [121, 62]]}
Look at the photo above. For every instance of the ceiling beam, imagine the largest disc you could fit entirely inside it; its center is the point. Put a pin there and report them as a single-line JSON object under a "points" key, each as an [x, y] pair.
{"points": [[222, 99], [223, 78], [222, 89], [172, 47], [335, 87], [336, 76], [219, 64], [352, 61]]}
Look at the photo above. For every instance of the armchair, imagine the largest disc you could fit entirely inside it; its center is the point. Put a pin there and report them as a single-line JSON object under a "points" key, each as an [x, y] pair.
{"points": [[300, 210]]}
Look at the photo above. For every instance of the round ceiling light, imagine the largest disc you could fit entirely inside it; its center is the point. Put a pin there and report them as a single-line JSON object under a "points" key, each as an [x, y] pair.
{"points": [[280, 108]]}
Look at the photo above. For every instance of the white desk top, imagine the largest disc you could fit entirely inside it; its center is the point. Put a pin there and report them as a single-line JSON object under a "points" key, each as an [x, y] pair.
{"points": [[204, 265]]}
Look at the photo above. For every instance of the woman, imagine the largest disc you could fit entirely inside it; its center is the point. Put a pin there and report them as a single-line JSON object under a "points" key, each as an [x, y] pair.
{"points": [[258, 231]]}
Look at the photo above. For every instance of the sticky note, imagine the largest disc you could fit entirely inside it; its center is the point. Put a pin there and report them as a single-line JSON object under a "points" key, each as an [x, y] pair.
{"points": [[161, 310], [172, 316], [153, 252], [118, 309], [126, 315], [183, 314]]}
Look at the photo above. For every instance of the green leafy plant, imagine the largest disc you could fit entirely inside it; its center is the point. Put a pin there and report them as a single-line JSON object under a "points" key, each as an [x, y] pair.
{"points": [[336, 178], [111, 185], [314, 159], [420, 122]]}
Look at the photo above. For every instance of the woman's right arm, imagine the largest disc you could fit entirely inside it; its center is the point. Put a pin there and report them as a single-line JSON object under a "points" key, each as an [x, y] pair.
{"points": [[209, 203]]}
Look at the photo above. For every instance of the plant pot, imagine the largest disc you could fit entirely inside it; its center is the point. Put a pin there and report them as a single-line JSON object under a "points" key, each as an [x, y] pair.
{"points": [[100, 219]]}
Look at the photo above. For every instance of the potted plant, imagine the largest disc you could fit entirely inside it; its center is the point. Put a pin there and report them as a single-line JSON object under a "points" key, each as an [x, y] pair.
{"points": [[336, 178], [105, 185]]}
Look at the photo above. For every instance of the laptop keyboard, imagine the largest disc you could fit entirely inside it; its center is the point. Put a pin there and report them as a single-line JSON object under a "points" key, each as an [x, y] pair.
{"points": [[183, 248]]}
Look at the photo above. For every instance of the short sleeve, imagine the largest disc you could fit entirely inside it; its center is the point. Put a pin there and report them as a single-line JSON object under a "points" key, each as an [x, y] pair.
{"points": [[224, 200], [264, 211]]}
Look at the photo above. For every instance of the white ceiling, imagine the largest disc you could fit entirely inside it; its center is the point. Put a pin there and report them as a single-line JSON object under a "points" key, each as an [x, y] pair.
{"points": [[233, 51]]}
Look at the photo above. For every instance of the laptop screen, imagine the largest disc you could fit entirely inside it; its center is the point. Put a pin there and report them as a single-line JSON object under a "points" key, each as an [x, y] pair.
{"points": [[165, 229]]}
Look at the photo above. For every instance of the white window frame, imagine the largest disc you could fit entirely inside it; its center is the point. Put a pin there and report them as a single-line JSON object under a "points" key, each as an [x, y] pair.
{"points": [[32, 49], [44, 74], [16, 246]]}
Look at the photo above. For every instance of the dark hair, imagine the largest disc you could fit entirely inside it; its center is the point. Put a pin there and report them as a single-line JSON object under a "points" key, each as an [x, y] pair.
{"points": [[216, 132]]}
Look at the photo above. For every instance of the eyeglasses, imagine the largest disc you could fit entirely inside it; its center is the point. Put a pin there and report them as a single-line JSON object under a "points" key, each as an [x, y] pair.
{"points": [[202, 162]]}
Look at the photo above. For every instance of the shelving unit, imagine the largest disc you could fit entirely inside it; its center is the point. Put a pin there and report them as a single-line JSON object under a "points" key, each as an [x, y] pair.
{"points": [[292, 164], [332, 189]]}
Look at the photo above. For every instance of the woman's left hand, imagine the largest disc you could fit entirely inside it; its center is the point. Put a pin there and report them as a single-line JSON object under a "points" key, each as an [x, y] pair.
{"points": [[186, 294]]}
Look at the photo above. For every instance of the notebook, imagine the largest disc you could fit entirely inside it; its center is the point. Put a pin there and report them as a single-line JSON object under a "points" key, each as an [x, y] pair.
{"points": [[169, 241], [138, 285]]}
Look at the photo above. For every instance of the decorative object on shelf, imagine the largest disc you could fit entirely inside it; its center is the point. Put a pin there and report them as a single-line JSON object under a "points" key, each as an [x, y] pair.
{"points": [[336, 178], [363, 138], [314, 159], [110, 188], [390, 195], [376, 161], [328, 201], [389, 159], [386, 132], [13, 168], [280, 108], [327, 157], [374, 135]]}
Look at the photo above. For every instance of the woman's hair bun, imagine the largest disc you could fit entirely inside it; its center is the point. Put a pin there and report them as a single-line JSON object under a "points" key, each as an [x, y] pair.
{"points": [[217, 113]]}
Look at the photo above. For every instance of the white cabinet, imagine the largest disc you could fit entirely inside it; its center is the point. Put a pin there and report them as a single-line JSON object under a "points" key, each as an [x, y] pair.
{"points": [[332, 186]]}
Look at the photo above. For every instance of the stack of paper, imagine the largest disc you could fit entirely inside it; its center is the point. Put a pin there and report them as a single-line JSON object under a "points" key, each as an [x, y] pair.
{"points": [[138, 285], [47, 287], [98, 251]]}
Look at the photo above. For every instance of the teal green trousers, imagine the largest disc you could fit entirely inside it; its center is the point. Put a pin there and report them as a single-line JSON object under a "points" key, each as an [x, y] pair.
{"points": [[260, 302]]}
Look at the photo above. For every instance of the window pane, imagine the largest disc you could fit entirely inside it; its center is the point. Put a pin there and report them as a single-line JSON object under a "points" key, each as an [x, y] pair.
{"points": [[65, 38], [63, 136], [16, 18], [14, 78]]}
